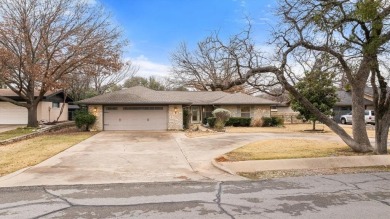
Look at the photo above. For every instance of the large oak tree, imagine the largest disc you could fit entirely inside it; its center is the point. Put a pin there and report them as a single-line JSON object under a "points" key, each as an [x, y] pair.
{"points": [[43, 43], [353, 34]]}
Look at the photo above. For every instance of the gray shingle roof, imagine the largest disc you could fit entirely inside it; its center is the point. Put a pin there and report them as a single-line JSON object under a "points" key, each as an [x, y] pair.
{"points": [[345, 99], [142, 95]]}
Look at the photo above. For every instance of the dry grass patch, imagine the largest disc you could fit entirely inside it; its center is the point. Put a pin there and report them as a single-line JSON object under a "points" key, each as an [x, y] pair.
{"points": [[16, 133], [30, 152], [313, 172], [291, 128], [287, 149]]}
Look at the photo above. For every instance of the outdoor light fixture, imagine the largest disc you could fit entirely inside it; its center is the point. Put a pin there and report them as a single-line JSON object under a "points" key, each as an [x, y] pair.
{"points": [[95, 110], [175, 109]]}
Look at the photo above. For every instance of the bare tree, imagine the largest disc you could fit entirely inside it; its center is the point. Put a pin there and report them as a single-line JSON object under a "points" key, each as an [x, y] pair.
{"points": [[107, 78], [215, 65], [44, 42], [352, 33]]}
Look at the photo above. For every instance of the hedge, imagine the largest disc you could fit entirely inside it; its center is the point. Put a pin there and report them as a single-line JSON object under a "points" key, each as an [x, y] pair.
{"points": [[272, 121], [211, 121], [239, 122]]}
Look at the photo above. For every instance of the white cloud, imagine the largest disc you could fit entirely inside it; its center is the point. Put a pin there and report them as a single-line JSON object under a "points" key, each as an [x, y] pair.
{"points": [[149, 68], [91, 2]]}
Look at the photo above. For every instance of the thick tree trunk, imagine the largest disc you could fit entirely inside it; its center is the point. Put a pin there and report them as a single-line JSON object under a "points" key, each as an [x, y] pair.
{"points": [[314, 125], [359, 131], [32, 116], [351, 142], [381, 133]]}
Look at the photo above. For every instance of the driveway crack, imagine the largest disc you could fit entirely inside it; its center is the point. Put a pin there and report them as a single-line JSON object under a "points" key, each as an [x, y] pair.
{"points": [[59, 197], [185, 156], [218, 200]]}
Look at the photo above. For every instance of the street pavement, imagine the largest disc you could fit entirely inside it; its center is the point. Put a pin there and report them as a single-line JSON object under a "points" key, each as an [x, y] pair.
{"points": [[332, 196]]}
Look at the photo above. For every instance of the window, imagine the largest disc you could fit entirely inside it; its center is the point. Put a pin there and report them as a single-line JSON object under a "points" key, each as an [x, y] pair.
{"points": [[195, 117], [245, 111], [274, 108], [55, 105], [208, 111]]}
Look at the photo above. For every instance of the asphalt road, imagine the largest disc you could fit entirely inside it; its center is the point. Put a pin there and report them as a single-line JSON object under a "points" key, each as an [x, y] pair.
{"points": [[336, 196]]}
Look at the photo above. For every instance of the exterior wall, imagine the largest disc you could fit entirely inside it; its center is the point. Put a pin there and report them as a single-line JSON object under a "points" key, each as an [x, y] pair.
{"points": [[284, 109], [370, 107], [175, 119], [257, 111], [233, 110], [260, 111], [46, 115], [97, 110]]}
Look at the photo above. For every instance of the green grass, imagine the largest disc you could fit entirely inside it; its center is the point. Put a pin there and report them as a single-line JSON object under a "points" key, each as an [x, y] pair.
{"points": [[15, 133]]}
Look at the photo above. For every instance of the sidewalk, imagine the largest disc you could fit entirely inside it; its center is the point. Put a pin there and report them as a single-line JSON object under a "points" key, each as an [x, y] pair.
{"points": [[303, 163]]}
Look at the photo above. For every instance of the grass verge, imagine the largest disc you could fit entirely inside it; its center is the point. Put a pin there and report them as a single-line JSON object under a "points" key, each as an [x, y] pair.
{"points": [[30, 152], [16, 133], [288, 149], [295, 128], [313, 172]]}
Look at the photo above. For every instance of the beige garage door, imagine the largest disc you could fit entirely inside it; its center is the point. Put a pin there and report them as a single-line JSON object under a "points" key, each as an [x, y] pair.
{"points": [[135, 118], [12, 114]]}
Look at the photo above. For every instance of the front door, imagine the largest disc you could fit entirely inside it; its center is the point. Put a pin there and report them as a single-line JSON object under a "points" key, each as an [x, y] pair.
{"points": [[195, 114]]}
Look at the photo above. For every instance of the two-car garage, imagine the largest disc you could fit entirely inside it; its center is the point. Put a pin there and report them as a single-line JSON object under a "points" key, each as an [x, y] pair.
{"points": [[135, 118]]}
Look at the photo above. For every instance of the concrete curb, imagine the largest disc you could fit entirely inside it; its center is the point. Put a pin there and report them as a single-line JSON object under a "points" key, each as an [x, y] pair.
{"points": [[37, 133], [304, 163], [221, 167]]}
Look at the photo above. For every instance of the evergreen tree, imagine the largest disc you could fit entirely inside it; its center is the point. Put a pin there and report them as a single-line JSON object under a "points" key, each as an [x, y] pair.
{"points": [[318, 88]]}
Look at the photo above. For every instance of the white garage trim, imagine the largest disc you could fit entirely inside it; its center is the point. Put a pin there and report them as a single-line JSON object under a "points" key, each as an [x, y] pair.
{"points": [[13, 114], [135, 118]]}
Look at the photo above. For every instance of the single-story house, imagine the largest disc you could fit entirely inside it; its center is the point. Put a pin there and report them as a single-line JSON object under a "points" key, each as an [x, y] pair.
{"points": [[140, 108], [344, 105], [48, 109]]}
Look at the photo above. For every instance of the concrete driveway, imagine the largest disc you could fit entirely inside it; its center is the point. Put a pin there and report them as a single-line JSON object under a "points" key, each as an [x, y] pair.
{"points": [[4, 128], [123, 157]]}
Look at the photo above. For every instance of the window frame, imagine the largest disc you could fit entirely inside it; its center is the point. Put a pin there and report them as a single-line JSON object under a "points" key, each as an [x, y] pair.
{"points": [[246, 113]]}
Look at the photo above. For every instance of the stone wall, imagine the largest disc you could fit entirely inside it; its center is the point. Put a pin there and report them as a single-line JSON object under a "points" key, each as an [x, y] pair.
{"points": [[233, 110], [97, 110], [257, 111], [175, 117]]}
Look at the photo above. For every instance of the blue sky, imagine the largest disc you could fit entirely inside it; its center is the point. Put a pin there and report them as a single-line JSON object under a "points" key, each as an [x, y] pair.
{"points": [[155, 28]]}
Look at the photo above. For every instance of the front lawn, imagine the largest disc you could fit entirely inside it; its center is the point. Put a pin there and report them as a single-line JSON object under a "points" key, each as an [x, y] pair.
{"points": [[30, 152], [287, 149], [16, 133], [294, 128]]}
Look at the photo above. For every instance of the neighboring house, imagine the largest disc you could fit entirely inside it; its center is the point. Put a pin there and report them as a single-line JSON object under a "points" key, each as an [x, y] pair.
{"points": [[344, 105], [48, 109], [284, 111], [140, 108]]}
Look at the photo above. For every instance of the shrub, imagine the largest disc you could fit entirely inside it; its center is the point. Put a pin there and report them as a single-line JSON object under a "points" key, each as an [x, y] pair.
{"points": [[204, 120], [222, 116], [238, 121], [272, 121], [211, 121], [186, 118], [84, 119]]}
